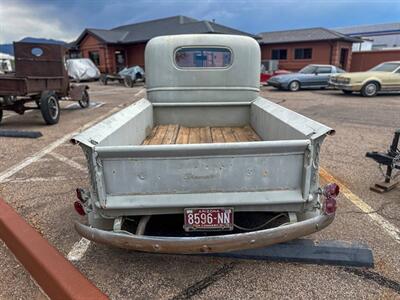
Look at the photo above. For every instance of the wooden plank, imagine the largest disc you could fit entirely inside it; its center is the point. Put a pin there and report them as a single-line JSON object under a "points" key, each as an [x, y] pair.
{"points": [[171, 134], [159, 136], [183, 135], [150, 136], [194, 135], [217, 135], [205, 135], [229, 137], [175, 134], [239, 133], [251, 134]]}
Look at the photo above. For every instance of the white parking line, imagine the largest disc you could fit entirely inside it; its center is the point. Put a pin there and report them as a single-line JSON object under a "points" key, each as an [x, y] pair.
{"points": [[68, 161], [109, 90], [10, 114], [139, 92], [46, 150], [78, 250], [390, 229], [36, 179]]}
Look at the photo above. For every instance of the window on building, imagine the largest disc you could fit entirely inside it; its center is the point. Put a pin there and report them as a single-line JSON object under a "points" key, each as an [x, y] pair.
{"points": [[199, 57], [279, 54], [75, 54], [303, 53], [324, 70], [95, 57]]}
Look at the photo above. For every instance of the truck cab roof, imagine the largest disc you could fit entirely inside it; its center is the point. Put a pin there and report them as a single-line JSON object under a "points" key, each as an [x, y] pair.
{"points": [[191, 68]]}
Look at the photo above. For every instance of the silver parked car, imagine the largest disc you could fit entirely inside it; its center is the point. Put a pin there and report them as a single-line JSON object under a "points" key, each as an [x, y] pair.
{"points": [[311, 76]]}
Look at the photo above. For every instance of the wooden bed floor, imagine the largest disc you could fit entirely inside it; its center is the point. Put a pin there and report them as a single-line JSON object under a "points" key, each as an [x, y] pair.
{"points": [[176, 134]]}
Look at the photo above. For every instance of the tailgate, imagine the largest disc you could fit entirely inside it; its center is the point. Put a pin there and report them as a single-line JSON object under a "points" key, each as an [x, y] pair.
{"points": [[186, 175]]}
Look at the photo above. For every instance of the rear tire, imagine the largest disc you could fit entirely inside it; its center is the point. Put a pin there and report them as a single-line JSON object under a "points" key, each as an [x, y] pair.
{"points": [[85, 101], [50, 108], [370, 89], [294, 86], [347, 92]]}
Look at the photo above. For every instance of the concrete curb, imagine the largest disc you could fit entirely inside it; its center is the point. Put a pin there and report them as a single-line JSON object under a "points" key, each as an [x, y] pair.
{"points": [[57, 277]]}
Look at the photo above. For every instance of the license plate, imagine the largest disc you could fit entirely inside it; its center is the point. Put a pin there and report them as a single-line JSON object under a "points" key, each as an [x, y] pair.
{"points": [[208, 219]]}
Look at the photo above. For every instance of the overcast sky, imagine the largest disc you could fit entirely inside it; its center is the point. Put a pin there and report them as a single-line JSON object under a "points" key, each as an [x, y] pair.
{"points": [[66, 19]]}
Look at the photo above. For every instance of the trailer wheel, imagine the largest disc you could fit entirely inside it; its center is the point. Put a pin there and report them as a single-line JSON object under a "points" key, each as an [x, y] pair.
{"points": [[85, 101], [50, 108], [128, 82], [103, 79]]}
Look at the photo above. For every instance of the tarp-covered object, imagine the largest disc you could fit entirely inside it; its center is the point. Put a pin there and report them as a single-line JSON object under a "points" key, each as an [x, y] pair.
{"points": [[6, 63], [82, 69], [134, 72]]}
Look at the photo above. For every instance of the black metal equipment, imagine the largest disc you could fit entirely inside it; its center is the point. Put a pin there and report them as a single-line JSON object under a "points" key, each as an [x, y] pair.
{"points": [[391, 160], [338, 253]]}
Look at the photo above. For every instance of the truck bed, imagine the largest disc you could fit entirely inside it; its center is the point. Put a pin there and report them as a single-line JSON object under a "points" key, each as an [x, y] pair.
{"points": [[177, 134]]}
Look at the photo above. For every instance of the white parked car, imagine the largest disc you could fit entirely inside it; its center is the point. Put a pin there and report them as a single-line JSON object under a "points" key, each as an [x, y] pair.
{"points": [[82, 69]]}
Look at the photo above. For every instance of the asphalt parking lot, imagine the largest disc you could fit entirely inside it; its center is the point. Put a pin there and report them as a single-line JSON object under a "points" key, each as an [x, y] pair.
{"points": [[38, 178]]}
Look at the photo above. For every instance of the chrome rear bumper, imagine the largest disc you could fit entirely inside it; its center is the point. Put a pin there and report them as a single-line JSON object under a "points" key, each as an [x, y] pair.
{"points": [[208, 244], [344, 86]]}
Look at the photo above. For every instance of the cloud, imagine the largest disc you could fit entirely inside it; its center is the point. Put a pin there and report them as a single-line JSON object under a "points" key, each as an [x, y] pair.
{"points": [[21, 19], [66, 19]]}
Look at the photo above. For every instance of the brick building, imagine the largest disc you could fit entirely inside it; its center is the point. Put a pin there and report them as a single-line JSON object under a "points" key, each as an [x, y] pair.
{"points": [[297, 48], [112, 50]]}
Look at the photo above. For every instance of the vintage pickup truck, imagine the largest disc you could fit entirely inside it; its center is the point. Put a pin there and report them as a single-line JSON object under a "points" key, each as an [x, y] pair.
{"points": [[203, 164]]}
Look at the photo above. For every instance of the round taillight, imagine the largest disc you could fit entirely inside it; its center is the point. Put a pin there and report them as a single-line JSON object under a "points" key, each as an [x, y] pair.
{"points": [[331, 190], [330, 205], [79, 208]]}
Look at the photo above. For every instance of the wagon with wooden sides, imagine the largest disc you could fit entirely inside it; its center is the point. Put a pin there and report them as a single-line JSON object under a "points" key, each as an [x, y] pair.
{"points": [[41, 79], [204, 164]]}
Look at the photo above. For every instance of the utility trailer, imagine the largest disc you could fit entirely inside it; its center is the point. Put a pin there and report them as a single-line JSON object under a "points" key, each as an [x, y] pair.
{"points": [[203, 164], [41, 78], [127, 76]]}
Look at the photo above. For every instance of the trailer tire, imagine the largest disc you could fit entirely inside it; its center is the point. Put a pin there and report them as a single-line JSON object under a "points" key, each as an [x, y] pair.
{"points": [[128, 82], [85, 101], [50, 108], [103, 79]]}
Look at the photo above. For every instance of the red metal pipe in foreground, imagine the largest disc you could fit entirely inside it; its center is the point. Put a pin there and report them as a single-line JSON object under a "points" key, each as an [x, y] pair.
{"points": [[57, 277]]}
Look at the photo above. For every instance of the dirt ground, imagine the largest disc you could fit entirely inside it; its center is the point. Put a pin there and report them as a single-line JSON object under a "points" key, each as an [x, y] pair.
{"points": [[43, 193]]}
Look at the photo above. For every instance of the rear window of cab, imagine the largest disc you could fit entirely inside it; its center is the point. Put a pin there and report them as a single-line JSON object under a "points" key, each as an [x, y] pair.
{"points": [[203, 57]]}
